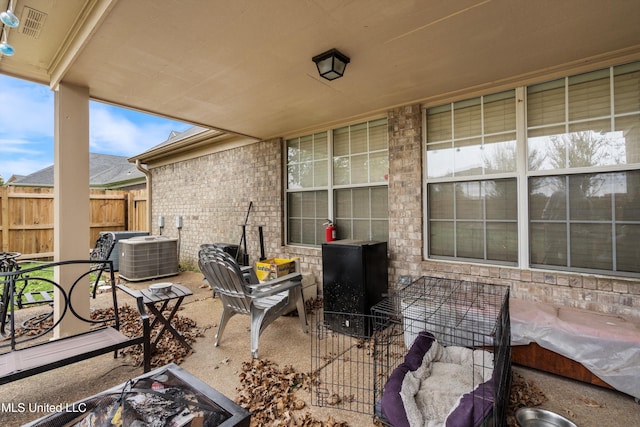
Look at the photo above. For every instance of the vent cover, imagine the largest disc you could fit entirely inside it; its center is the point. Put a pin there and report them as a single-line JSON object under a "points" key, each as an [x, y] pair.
{"points": [[32, 22]]}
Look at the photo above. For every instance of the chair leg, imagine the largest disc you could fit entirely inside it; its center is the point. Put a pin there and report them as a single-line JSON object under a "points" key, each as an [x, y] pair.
{"points": [[226, 315], [302, 313], [257, 317]]}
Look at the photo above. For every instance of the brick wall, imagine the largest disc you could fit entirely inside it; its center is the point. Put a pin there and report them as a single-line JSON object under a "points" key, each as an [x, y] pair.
{"points": [[405, 191], [598, 293], [212, 194]]}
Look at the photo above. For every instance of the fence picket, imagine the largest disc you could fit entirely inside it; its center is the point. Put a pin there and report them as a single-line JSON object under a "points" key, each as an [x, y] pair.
{"points": [[26, 217]]}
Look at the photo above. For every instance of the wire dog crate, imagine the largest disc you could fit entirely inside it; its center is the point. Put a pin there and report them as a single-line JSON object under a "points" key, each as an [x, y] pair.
{"points": [[343, 364], [472, 318]]}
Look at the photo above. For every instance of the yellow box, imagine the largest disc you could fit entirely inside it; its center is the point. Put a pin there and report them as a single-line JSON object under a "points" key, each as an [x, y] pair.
{"points": [[273, 268]]}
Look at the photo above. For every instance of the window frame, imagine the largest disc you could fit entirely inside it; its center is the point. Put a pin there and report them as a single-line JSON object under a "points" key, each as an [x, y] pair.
{"points": [[454, 178], [331, 188], [523, 174]]}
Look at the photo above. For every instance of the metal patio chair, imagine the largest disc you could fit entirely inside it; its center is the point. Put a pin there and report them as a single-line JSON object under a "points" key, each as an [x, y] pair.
{"points": [[101, 252], [8, 263], [242, 293]]}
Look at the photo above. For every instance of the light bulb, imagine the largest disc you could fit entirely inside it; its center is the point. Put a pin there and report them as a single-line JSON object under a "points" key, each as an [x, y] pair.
{"points": [[6, 49], [9, 19]]}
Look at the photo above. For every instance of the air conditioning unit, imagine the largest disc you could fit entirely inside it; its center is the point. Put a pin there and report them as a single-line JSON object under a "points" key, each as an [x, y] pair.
{"points": [[148, 257], [121, 235]]}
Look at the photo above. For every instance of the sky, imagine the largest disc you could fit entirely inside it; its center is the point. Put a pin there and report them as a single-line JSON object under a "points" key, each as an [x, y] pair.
{"points": [[26, 128]]}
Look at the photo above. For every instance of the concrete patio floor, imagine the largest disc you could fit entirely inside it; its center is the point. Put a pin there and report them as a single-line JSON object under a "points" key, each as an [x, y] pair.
{"points": [[284, 343]]}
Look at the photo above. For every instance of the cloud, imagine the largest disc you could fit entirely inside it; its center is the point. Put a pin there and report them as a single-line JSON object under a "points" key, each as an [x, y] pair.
{"points": [[26, 110], [23, 166], [23, 156], [16, 146], [125, 132], [27, 128]]}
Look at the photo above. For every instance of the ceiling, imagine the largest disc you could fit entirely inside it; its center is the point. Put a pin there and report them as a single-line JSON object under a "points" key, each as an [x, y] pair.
{"points": [[245, 66]]}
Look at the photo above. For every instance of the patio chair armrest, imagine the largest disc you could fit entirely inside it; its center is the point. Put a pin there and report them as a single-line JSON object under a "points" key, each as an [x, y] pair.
{"points": [[267, 289], [285, 278], [295, 276], [142, 310]]}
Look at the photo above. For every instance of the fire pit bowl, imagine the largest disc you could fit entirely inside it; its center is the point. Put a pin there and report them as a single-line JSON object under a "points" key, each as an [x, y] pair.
{"points": [[534, 417], [168, 396], [160, 288]]}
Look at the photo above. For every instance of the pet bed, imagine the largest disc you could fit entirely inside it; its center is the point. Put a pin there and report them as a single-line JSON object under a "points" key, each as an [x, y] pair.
{"points": [[439, 386], [607, 345]]}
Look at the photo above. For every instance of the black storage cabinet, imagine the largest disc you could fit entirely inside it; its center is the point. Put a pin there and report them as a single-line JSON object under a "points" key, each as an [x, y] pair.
{"points": [[354, 278]]}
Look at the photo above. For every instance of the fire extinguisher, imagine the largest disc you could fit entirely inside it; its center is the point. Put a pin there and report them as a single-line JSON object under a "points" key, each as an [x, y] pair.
{"points": [[330, 231]]}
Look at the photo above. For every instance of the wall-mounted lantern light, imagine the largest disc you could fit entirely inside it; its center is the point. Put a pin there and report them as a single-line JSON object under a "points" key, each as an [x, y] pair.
{"points": [[331, 64]]}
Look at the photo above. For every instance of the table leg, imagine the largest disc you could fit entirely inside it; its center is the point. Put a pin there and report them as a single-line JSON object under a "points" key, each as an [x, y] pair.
{"points": [[157, 313], [166, 323]]}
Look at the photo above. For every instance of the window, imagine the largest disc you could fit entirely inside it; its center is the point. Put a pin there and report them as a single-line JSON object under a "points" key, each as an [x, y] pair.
{"points": [[474, 220], [589, 120], [308, 210], [362, 213], [472, 138], [580, 169], [351, 188], [468, 217], [585, 123], [307, 182], [586, 221]]}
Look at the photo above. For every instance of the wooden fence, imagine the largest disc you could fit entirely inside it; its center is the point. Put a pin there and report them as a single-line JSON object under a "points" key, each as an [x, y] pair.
{"points": [[26, 217]]}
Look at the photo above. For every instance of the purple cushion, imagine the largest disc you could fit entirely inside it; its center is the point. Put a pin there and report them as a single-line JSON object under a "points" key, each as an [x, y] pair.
{"points": [[391, 402], [471, 411], [473, 407]]}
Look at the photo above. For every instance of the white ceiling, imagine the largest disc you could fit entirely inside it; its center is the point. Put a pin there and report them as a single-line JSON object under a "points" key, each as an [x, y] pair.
{"points": [[245, 65]]}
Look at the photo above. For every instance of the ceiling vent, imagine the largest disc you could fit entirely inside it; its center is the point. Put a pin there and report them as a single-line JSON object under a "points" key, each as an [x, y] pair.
{"points": [[32, 22]]}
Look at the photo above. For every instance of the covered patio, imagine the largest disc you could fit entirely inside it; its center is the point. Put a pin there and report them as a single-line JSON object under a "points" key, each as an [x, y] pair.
{"points": [[284, 344], [453, 102], [245, 70]]}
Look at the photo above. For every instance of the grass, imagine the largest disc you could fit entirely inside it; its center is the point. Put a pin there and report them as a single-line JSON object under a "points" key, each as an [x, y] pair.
{"points": [[35, 286]]}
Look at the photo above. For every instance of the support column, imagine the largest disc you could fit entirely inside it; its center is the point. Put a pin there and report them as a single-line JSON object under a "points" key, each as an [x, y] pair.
{"points": [[71, 199], [406, 236]]}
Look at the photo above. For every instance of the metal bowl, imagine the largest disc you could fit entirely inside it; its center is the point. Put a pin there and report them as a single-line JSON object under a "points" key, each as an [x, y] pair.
{"points": [[534, 417], [160, 288]]}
